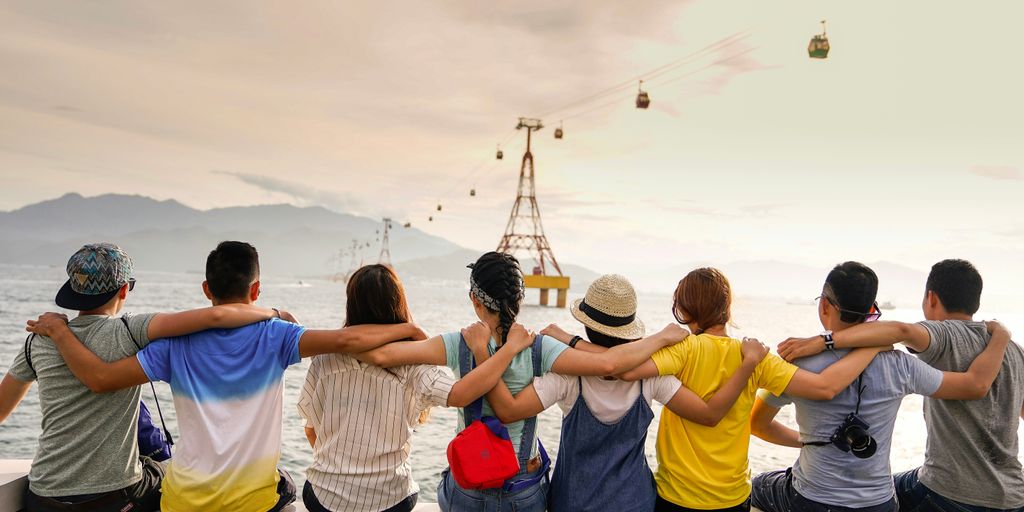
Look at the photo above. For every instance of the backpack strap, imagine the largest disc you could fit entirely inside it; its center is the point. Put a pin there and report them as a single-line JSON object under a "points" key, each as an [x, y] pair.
{"points": [[530, 424], [467, 362], [167, 432], [28, 353]]}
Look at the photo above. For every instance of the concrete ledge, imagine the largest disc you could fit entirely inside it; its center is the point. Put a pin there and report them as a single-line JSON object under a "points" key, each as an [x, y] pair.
{"points": [[13, 481]]}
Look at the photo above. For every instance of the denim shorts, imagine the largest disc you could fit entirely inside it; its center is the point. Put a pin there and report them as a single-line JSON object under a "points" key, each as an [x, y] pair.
{"points": [[916, 497], [452, 498]]}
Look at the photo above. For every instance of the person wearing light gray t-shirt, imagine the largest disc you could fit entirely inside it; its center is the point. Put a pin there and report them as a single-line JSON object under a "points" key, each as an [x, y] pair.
{"points": [[850, 474]]}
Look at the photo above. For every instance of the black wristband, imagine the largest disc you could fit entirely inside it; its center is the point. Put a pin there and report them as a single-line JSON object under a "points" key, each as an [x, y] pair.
{"points": [[574, 341], [277, 312]]}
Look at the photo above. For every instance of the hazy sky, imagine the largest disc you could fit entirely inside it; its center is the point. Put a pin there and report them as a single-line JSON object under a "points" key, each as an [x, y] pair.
{"points": [[906, 145]]}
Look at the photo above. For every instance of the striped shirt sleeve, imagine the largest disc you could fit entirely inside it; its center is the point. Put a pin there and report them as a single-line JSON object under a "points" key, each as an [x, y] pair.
{"points": [[432, 384], [310, 407]]}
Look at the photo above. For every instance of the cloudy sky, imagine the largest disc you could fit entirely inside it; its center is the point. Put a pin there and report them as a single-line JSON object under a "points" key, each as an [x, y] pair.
{"points": [[905, 145]]}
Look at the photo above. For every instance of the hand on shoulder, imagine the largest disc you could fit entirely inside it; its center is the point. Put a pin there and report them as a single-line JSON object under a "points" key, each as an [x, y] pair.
{"points": [[519, 338], [47, 323], [796, 348], [753, 351], [673, 333], [557, 333]]}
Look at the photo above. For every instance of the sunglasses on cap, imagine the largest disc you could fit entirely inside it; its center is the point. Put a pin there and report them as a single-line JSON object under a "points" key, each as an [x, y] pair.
{"points": [[872, 315]]}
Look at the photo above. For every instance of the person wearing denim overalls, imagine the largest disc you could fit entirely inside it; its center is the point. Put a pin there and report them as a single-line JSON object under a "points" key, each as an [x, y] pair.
{"points": [[601, 463]]}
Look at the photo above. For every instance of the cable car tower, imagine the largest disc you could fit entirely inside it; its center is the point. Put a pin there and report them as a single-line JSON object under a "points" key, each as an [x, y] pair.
{"points": [[385, 246], [524, 231]]}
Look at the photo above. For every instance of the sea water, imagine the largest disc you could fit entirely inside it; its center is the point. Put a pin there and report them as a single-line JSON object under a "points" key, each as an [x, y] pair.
{"points": [[438, 306]]}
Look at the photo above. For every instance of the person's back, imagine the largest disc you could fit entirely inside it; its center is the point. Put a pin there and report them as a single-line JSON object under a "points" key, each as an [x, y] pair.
{"points": [[88, 440], [707, 467], [972, 448], [228, 387], [828, 475], [363, 417]]}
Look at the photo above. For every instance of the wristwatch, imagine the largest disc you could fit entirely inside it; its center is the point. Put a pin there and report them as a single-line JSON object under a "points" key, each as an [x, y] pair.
{"points": [[574, 341], [830, 344]]}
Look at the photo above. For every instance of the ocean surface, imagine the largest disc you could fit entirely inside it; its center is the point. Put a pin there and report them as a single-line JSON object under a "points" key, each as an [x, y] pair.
{"points": [[439, 306]]}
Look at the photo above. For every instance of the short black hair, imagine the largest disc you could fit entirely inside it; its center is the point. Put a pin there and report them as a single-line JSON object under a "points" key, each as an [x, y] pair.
{"points": [[231, 268], [603, 340], [854, 286], [958, 285]]}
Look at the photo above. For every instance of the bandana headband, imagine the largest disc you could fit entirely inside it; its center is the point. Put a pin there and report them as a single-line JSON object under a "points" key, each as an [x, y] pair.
{"points": [[490, 302]]}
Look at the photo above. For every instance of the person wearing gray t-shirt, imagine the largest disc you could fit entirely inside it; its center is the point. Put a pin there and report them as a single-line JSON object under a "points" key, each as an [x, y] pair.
{"points": [[845, 442], [88, 452]]}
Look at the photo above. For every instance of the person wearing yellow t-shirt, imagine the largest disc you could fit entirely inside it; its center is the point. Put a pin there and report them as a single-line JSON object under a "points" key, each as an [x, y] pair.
{"points": [[702, 468]]}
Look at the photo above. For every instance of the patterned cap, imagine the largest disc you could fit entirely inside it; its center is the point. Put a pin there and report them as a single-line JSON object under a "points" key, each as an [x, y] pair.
{"points": [[95, 273]]}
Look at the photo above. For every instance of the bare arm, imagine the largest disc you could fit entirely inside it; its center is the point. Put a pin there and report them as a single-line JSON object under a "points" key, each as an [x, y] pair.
{"points": [[834, 379], [97, 375], [510, 409], [430, 351], [645, 371], [686, 404], [871, 334], [355, 339], [976, 382], [12, 391], [488, 373], [763, 425], [226, 316], [617, 359], [311, 436], [560, 334]]}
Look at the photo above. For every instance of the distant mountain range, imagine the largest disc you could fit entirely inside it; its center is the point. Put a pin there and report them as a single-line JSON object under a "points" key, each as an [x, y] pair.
{"points": [[296, 241], [167, 235]]}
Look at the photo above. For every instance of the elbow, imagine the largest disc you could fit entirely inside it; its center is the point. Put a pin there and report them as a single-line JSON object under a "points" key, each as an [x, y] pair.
{"points": [[979, 390], [375, 358], [99, 386], [505, 418], [456, 399], [709, 421], [825, 394], [608, 368]]}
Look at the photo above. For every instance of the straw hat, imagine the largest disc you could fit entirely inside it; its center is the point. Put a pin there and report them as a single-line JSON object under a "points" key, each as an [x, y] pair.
{"points": [[609, 307]]}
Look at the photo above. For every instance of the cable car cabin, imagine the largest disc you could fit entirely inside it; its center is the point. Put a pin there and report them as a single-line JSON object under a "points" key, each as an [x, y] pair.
{"points": [[499, 155], [558, 133], [408, 224], [438, 206], [818, 47], [472, 192], [643, 100], [430, 219]]}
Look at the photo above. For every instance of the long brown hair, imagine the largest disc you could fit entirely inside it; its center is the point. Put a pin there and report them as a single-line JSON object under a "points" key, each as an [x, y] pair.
{"points": [[704, 297], [374, 295]]}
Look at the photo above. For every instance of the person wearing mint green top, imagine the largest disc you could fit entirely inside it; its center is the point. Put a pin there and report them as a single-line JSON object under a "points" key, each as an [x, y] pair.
{"points": [[518, 375], [496, 292]]}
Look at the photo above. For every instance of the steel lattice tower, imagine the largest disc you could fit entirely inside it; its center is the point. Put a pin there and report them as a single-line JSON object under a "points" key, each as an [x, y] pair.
{"points": [[524, 230], [385, 249]]}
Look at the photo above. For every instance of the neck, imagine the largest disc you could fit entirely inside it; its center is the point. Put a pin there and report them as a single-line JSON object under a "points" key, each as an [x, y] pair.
{"points": [[219, 302], [109, 309], [957, 316], [714, 330]]}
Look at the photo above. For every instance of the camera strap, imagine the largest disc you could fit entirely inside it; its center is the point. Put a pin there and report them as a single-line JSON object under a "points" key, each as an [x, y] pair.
{"points": [[860, 392]]}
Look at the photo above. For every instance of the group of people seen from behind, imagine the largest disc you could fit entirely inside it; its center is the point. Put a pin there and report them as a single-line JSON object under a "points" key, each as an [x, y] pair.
{"points": [[373, 381]]}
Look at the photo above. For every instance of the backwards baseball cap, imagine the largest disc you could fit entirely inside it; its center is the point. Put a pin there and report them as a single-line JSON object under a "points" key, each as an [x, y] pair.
{"points": [[95, 274]]}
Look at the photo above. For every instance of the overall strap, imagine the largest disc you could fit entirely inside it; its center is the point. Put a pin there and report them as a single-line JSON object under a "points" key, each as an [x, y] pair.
{"points": [[28, 353], [167, 432], [467, 362]]}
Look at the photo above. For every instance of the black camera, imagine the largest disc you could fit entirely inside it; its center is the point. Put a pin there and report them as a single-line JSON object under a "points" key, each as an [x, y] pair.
{"points": [[852, 436]]}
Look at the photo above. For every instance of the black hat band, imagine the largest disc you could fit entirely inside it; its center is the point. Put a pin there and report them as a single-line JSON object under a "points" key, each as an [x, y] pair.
{"points": [[605, 318]]}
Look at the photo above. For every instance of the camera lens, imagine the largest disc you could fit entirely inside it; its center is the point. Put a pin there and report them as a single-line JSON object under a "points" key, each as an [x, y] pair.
{"points": [[861, 443]]}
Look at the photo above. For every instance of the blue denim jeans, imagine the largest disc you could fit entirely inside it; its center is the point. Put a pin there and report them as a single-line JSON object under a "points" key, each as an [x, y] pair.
{"points": [[916, 497], [452, 498], [774, 492]]}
